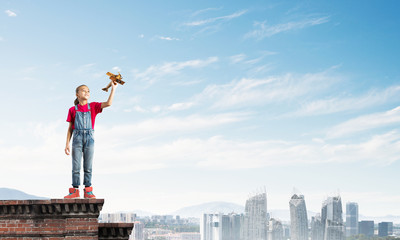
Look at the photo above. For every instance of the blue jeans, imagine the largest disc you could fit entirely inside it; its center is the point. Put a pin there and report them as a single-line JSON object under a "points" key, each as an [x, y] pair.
{"points": [[82, 145]]}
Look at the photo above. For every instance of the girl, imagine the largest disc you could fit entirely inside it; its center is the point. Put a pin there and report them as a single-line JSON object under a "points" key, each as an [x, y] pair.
{"points": [[81, 119]]}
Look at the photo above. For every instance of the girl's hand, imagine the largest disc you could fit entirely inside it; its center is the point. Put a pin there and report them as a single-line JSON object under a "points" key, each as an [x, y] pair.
{"points": [[67, 150]]}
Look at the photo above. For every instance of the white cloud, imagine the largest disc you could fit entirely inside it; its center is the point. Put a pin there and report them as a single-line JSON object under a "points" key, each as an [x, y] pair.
{"points": [[167, 125], [169, 38], [204, 11], [339, 104], [141, 36], [156, 72], [262, 69], [44, 152], [249, 91], [180, 106], [238, 58], [186, 83], [115, 153], [10, 13], [118, 69], [140, 109], [262, 30], [156, 109], [366, 122], [215, 19], [219, 153], [38, 155]]}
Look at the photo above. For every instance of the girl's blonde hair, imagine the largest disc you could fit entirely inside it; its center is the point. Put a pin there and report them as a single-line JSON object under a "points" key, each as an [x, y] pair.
{"points": [[76, 91]]}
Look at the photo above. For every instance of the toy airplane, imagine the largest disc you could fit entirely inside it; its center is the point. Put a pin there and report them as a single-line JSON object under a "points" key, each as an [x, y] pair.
{"points": [[114, 78]]}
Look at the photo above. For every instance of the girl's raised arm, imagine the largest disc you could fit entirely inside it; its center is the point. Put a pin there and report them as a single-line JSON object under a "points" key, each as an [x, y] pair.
{"points": [[111, 97]]}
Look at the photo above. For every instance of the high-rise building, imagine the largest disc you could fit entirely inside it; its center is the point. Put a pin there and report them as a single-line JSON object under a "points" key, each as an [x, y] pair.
{"points": [[366, 228], [317, 228], [138, 231], [332, 220], [385, 229], [351, 219], [220, 227], [208, 224], [286, 231], [298, 218], [255, 219], [235, 226], [275, 230]]}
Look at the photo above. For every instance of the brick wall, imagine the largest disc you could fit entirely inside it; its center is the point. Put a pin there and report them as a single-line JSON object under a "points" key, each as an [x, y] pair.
{"points": [[57, 219]]}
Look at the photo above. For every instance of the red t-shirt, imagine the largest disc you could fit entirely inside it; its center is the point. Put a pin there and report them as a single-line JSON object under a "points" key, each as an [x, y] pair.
{"points": [[95, 108]]}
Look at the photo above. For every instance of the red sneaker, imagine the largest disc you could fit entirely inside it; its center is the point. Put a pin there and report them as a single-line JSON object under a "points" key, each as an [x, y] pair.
{"points": [[73, 193], [89, 192]]}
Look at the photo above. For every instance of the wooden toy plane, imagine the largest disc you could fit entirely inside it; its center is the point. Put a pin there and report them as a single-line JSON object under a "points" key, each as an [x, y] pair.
{"points": [[114, 78]]}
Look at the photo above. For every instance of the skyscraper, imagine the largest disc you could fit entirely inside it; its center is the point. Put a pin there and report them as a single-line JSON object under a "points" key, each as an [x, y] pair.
{"points": [[220, 227], [235, 226], [385, 229], [331, 218], [255, 220], [209, 227], [351, 219], [138, 231], [317, 228], [275, 230], [298, 218], [366, 228]]}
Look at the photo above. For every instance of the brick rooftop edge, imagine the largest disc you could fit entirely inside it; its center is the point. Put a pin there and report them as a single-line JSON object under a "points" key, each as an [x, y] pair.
{"points": [[50, 219]]}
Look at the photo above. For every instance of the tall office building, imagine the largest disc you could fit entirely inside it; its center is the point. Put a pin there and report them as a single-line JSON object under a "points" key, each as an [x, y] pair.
{"points": [[385, 229], [351, 219], [255, 219], [298, 218], [317, 228], [331, 218], [275, 230], [366, 228], [209, 227], [235, 226], [220, 227], [138, 231]]}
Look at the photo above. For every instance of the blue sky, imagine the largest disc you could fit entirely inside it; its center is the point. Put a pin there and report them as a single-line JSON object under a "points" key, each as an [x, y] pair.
{"points": [[220, 99]]}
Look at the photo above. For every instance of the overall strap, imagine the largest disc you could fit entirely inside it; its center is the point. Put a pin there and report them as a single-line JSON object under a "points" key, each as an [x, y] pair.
{"points": [[88, 105]]}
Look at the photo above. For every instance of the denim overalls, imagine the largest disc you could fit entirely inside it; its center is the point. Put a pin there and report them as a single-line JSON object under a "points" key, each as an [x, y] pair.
{"points": [[82, 144]]}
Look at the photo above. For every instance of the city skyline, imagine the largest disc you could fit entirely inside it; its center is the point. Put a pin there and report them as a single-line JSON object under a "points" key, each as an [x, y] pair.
{"points": [[220, 98]]}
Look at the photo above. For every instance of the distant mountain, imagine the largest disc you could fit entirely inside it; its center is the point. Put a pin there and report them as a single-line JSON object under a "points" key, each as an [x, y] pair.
{"points": [[13, 194], [210, 207]]}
